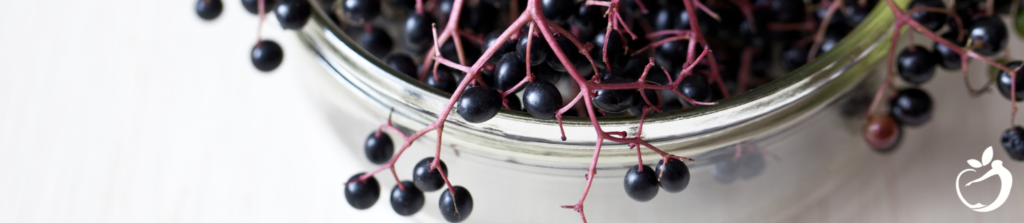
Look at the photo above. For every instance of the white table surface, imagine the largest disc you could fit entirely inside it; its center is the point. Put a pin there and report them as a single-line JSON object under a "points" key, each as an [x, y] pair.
{"points": [[138, 111]]}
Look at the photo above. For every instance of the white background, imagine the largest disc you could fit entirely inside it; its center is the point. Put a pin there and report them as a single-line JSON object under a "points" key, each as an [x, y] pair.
{"points": [[138, 111]]}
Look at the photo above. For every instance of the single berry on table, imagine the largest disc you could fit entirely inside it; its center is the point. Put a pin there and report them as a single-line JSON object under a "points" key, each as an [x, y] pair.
{"points": [[882, 132], [209, 9], [267, 55]]}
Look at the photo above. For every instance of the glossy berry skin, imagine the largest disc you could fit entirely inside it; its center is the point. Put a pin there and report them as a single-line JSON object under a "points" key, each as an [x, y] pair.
{"points": [[478, 104], [855, 13], [378, 149], [945, 56], [456, 208], [558, 10], [614, 101], [509, 71], [362, 195], [293, 14], [358, 12], [930, 20], [990, 33], [882, 133], [403, 63], [1013, 142], [267, 55], [407, 202], [209, 9], [426, 179], [445, 81], [916, 65], [507, 46], [376, 41], [665, 18], [514, 103], [911, 107], [253, 5], [1004, 81], [538, 49], [696, 87], [642, 185], [834, 34], [542, 99], [674, 177], [470, 51], [418, 33]]}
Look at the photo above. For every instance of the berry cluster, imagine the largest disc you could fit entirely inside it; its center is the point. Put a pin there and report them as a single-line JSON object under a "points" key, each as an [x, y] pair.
{"points": [[616, 57], [266, 55], [972, 31]]}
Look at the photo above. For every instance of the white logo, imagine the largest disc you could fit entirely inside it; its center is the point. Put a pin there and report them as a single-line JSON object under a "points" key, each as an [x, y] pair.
{"points": [[997, 170]]}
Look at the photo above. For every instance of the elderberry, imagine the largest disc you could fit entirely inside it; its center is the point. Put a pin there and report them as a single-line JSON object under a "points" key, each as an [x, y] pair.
{"points": [[696, 87], [209, 9], [509, 71], [362, 194], [641, 184], [358, 12], [988, 34], [542, 99], [916, 64], [673, 176], [428, 179], [403, 63], [882, 133], [911, 107], [376, 41], [538, 49], [1004, 82], [930, 20], [445, 81], [267, 55], [293, 14], [478, 104], [456, 207], [1013, 142], [378, 149], [406, 202], [253, 5]]}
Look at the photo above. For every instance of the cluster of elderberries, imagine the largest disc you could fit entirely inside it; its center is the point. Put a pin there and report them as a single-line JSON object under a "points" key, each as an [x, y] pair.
{"points": [[266, 55], [972, 29]]}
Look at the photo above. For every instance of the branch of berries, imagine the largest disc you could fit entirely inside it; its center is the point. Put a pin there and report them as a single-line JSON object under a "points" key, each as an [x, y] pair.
{"points": [[983, 35]]}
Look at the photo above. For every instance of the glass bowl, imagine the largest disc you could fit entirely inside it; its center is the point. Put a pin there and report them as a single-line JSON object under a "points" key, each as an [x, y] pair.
{"points": [[519, 170]]}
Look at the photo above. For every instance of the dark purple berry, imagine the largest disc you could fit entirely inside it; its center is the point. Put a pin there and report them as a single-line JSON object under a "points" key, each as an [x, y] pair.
{"points": [[418, 33], [376, 41], [293, 14], [403, 63], [427, 179], [945, 56], [614, 101], [558, 10], [542, 99], [916, 65], [988, 34], [911, 107], [209, 9], [696, 87], [458, 207], [362, 195], [253, 5], [378, 149], [478, 104], [674, 177], [407, 202], [509, 71], [267, 55], [538, 49], [930, 20], [1004, 82], [445, 81], [358, 12], [1013, 142], [641, 185]]}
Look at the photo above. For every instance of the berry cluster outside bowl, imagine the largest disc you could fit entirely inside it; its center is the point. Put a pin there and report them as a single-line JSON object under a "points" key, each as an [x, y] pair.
{"points": [[520, 170]]}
